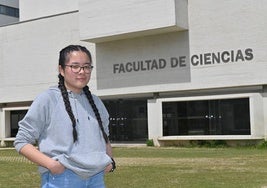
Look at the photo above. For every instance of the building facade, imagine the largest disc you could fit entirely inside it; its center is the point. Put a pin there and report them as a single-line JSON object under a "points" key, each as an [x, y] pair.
{"points": [[167, 70]]}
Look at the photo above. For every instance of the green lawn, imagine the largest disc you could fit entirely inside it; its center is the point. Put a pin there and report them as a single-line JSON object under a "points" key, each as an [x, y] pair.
{"points": [[148, 167]]}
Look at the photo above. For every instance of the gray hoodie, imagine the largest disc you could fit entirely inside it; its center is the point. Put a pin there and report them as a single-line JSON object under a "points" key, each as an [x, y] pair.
{"points": [[48, 123]]}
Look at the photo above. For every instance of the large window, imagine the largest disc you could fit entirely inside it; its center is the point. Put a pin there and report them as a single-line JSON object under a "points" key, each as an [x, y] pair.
{"points": [[128, 120], [207, 117]]}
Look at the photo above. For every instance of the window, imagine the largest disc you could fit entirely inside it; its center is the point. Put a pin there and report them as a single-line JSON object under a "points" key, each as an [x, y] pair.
{"points": [[128, 120], [207, 117], [9, 11], [15, 117]]}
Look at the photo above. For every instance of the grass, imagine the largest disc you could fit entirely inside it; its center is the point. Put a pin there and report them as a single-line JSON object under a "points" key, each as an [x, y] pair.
{"points": [[148, 167], [16, 171]]}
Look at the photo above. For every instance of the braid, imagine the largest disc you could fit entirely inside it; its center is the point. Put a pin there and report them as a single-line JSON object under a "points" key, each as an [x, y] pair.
{"points": [[66, 100], [92, 103]]}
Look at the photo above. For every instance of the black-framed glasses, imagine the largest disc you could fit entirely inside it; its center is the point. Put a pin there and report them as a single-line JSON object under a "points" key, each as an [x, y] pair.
{"points": [[78, 68]]}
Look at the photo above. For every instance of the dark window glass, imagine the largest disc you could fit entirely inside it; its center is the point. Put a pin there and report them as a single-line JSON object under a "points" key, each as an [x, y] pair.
{"points": [[15, 117], [9, 11], [207, 117], [128, 120]]}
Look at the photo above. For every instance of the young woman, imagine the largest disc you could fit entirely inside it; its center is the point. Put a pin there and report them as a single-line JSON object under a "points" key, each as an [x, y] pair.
{"points": [[70, 126]]}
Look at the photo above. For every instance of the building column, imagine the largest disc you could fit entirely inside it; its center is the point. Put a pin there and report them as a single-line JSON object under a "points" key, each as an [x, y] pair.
{"points": [[154, 113], [264, 98], [2, 128]]}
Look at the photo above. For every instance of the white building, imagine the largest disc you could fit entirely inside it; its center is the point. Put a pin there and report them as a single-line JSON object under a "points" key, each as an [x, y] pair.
{"points": [[167, 70]]}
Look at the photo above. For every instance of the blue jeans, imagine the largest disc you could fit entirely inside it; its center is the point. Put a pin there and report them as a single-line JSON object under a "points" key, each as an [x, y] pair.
{"points": [[68, 179]]}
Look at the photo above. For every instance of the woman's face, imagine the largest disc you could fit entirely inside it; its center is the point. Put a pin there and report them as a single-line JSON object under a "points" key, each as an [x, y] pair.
{"points": [[75, 80]]}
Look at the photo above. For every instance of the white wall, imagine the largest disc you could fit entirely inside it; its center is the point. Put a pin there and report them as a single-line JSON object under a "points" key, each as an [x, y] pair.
{"points": [[154, 117], [29, 55], [32, 9], [2, 130], [10, 3], [214, 27], [160, 51], [105, 20], [4, 19], [264, 99], [257, 115]]}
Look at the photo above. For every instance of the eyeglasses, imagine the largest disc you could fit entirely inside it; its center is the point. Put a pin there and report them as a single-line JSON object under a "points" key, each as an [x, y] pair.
{"points": [[78, 68]]}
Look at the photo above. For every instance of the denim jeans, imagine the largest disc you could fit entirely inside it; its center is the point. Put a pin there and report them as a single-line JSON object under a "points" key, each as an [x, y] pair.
{"points": [[68, 179]]}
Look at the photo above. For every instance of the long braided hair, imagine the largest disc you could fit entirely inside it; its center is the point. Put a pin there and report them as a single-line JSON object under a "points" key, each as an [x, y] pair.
{"points": [[63, 57]]}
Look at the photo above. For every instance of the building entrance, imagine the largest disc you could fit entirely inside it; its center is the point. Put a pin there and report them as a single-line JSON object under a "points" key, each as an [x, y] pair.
{"points": [[207, 117], [128, 120]]}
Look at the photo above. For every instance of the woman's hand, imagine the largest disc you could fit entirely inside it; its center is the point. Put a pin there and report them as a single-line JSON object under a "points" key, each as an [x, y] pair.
{"points": [[34, 155], [108, 168], [56, 167]]}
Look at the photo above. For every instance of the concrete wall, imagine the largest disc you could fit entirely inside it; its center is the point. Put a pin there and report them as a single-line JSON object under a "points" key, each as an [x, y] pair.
{"points": [[233, 31], [4, 19], [10, 3], [29, 55], [32, 9], [216, 26], [105, 20]]}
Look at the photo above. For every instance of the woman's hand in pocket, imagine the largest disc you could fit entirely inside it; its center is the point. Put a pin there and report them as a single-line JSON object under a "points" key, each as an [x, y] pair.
{"points": [[56, 167]]}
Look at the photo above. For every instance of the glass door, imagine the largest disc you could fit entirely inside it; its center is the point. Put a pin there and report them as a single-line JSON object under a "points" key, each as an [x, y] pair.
{"points": [[128, 120]]}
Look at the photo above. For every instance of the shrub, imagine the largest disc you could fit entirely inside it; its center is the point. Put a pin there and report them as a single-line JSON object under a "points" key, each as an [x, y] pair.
{"points": [[150, 142], [262, 145], [208, 143]]}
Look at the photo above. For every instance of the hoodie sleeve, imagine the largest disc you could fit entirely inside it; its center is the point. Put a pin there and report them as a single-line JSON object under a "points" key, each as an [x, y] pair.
{"points": [[32, 125]]}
